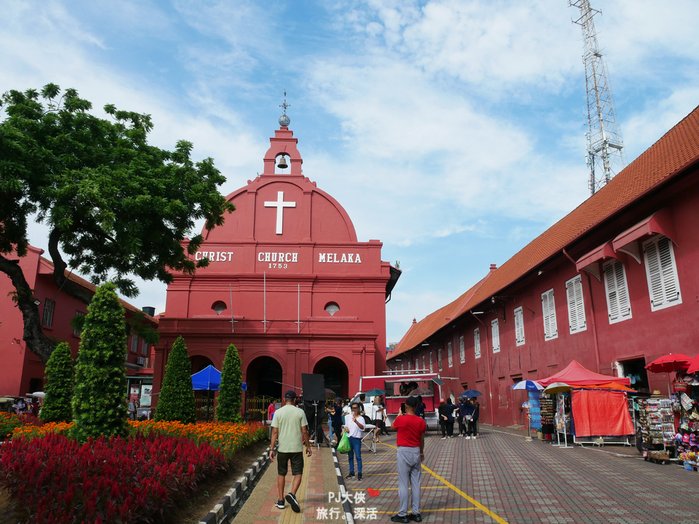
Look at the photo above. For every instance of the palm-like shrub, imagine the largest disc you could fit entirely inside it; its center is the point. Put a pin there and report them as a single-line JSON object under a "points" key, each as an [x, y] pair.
{"points": [[229, 397], [176, 401], [99, 400], [59, 374]]}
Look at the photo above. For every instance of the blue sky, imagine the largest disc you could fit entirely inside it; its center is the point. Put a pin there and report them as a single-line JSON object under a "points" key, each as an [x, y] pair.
{"points": [[453, 131]]}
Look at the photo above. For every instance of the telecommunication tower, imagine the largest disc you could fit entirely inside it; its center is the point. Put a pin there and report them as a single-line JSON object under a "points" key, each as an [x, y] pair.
{"points": [[604, 143]]}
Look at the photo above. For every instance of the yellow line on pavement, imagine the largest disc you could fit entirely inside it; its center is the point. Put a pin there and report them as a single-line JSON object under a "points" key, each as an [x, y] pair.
{"points": [[497, 518], [422, 488], [438, 510]]}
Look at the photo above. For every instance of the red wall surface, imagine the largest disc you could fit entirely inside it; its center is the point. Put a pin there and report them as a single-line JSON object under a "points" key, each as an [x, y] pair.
{"points": [[274, 270], [647, 334], [21, 371]]}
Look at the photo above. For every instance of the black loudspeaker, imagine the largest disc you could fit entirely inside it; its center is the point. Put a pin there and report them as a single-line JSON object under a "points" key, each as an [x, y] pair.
{"points": [[313, 387]]}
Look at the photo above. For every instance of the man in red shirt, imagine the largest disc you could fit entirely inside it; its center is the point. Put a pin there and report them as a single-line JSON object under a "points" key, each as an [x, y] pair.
{"points": [[410, 430]]}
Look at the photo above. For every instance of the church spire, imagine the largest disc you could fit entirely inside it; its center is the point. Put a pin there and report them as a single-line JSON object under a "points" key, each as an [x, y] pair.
{"points": [[284, 120]]}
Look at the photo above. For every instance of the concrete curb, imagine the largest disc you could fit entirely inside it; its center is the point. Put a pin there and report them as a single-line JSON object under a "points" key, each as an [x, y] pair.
{"points": [[230, 504], [346, 506]]}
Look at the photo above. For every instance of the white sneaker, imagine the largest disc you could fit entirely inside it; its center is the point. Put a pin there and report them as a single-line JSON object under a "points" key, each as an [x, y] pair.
{"points": [[474, 437], [468, 437], [444, 438], [460, 435]]}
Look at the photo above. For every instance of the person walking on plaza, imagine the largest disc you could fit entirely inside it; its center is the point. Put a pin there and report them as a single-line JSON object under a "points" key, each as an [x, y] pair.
{"points": [[471, 418], [377, 414], [410, 439], [336, 420], [290, 431], [354, 425], [460, 411], [446, 415]]}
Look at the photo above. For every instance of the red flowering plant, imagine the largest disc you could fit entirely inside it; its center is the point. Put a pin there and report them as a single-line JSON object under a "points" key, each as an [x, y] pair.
{"points": [[103, 480], [8, 423]]}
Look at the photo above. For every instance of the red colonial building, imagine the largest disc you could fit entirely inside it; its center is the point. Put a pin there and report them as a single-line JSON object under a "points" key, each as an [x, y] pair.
{"points": [[22, 371], [288, 283], [614, 284]]}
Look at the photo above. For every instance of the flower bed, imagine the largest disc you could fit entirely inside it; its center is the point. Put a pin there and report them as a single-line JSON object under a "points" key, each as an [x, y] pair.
{"points": [[135, 479], [228, 437], [131, 479], [8, 423]]}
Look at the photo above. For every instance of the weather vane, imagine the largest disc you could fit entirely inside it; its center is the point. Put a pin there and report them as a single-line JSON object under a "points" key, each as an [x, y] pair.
{"points": [[284, 120]]}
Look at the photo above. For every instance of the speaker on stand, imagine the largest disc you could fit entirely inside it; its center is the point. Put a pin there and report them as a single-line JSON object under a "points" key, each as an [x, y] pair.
{"points": [[314, 395]]}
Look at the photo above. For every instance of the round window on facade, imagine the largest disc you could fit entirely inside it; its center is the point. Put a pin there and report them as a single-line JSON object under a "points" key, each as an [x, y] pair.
{"points": [[331, 308], [219, 307]]}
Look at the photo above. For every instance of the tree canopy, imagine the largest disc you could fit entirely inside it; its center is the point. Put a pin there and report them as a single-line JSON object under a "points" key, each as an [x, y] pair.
{"points": [[115, 205]]}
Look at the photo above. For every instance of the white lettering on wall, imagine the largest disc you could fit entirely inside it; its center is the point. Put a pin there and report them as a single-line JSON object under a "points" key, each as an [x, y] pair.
{"points": [[277, 256], [339, 258], [214, 256]]}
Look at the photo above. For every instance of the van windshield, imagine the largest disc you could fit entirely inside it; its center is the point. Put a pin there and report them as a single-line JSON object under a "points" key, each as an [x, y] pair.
{"points": [[403, 388]]}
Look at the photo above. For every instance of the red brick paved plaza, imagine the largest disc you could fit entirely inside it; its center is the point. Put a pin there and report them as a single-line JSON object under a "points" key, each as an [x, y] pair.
{"points": [[500, 477]]}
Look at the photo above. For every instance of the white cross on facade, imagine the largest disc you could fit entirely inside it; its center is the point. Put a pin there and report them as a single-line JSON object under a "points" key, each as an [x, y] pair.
{"points": [[280, 205]]}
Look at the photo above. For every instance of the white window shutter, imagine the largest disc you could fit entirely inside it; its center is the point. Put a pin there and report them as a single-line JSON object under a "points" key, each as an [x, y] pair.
{"points": [[477, 342], [495, 331], [519, 326], [661, 271]]}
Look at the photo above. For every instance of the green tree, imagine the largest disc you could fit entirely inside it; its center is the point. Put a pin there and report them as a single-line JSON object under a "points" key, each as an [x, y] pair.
{"points": [[229, 396], [114, 204], [59, 374], [99, 401], [176, 400]]}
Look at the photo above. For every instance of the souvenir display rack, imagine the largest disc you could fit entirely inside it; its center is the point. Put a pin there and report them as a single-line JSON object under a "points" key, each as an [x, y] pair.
{"points": [[657, 427], [548, 411]]}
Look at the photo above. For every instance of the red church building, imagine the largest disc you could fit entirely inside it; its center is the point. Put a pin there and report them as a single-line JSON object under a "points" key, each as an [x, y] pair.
{"points": [[288, 283], [613, 285]]}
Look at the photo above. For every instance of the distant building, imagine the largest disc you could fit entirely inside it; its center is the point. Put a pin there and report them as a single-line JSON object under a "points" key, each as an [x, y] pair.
{"points": [[22, 371], [614, 284], [288, 283]]}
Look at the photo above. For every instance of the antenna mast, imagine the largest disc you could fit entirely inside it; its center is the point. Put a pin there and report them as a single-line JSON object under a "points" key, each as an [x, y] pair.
{"points": [[604, 143]]}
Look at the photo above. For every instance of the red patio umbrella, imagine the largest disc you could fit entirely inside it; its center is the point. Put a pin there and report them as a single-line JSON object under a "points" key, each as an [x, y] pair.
{"points": [[693, 365], [669, 363]]}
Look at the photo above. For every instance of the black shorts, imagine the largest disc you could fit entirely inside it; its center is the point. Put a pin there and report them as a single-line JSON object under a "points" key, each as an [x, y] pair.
{"points": [[296, 463]]}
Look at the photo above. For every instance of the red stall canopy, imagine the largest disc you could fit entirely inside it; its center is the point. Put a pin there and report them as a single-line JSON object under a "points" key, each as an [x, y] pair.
{"points": [[601, 413], [575, 374]]}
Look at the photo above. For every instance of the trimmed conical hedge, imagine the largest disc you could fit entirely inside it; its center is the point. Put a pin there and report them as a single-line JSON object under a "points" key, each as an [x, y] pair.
{"points": [[230, 393], [99, 400], [59, 375], [176, 400]]}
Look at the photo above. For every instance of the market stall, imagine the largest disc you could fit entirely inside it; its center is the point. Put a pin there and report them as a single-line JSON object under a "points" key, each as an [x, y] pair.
{"points": [[598, 405]]}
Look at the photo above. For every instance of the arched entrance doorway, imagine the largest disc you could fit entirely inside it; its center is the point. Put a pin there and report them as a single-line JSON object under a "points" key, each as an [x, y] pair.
{"points": [[204, 400], [335, 373], [264, 378], [199, 362]]}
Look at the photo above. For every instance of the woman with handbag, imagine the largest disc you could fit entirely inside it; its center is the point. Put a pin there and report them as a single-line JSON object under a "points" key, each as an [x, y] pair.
{"points": [[354, 425]]}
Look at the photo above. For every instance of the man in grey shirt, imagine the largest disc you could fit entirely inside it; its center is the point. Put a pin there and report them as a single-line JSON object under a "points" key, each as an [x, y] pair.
{"points": [[290, 430]]}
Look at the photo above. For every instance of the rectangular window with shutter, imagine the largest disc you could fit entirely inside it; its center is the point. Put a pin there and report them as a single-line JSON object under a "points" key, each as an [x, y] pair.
{"points": [[450, 355], [477, 343], [661, 271], [519, 326], [47, 316], [618, 302], [548, 309], [576, 305], [439, 359], [462, 350], [431, 360], [495, 335]]}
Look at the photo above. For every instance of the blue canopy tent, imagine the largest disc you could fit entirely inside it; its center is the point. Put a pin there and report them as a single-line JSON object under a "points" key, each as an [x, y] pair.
{"points": [[208, 379]]}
